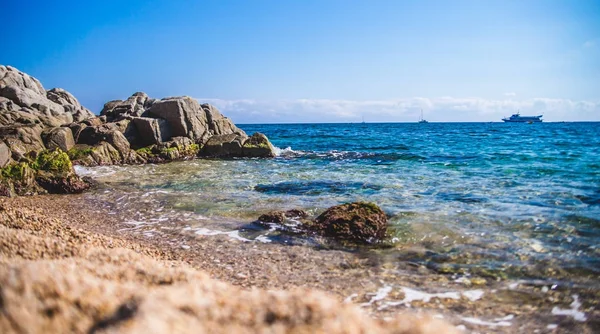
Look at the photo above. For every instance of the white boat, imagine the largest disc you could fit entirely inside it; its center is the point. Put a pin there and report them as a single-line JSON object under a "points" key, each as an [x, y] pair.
{"points": [[517, 118], [422, 120]]}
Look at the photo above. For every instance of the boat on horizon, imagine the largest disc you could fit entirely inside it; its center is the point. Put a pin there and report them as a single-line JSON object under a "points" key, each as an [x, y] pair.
{"points": [[517, 118], [422, 120]]}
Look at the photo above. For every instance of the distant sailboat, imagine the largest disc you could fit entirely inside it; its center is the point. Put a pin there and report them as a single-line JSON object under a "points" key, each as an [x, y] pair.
{"points": [[422, 120]]}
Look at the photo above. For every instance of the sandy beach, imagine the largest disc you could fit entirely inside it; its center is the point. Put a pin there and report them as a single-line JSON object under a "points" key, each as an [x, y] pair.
{"points": [[62, 271], [68, 266]]}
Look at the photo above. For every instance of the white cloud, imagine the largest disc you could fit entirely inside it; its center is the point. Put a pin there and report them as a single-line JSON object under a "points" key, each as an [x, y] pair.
{"points": [[510, 94], [441, 109]]}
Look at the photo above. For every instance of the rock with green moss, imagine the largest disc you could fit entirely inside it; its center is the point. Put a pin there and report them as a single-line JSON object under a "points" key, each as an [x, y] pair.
{"points": [[354, 223], [19, 179], [358, 222], [48, 171], [258, 146], [55, 161], [223, 146]]}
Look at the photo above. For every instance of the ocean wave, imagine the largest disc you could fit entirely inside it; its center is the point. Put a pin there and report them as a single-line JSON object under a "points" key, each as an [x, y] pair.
{"points": [[348, 155], [288, 152], [94, 172]]}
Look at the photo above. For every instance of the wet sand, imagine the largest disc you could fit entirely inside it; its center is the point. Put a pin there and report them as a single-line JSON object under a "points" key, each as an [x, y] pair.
{"points": [[370, 290]]}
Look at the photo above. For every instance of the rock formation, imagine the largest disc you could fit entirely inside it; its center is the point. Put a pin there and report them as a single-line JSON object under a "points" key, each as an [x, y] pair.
{"points": [[357, 223], [137, 130]]}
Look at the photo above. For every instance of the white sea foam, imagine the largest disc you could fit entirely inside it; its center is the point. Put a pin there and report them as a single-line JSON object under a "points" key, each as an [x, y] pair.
{"points": [[379, 295], [573, 311], [473, 295], [283, 152], [493, 323], [411, 295], [99, 171]]}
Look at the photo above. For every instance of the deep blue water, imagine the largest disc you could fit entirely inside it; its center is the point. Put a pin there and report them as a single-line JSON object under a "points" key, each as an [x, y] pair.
{"points": [[520, 199]]}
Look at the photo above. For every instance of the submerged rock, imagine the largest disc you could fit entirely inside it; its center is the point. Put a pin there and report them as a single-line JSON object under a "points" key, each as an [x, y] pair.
{"points": [[281, 216], [359, 222]]}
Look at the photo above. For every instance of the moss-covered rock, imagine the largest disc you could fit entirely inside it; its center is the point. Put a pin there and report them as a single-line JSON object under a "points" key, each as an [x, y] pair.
{"points": [[48, 171], [258, 146], [354, 223], [79, 152], [55, 161], [358, 222]]}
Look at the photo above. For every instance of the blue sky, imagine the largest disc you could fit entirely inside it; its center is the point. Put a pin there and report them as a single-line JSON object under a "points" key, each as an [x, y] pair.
{"points": [[319, 61]]}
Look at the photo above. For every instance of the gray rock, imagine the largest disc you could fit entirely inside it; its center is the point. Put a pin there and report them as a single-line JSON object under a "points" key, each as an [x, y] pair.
{"points": [[31, 103], [105, 154], [219, 124], [258, 146], [5, 155], [22, 139], [70, 104], [151, 130], [134, 106], [184, 117], [94, 135], [223, 146], [58, 138]]}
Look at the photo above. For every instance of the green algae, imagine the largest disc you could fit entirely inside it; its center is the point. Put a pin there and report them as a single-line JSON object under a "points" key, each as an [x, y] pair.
{"points": [[55, 161], [79, 153]]}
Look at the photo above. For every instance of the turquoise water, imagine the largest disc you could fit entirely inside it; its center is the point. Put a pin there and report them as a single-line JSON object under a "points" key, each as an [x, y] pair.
{"points": [[495, 199]]}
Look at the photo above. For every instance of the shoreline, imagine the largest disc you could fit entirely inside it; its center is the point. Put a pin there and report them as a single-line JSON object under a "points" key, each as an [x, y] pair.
{"points": [[370, 283], [59, 276]]}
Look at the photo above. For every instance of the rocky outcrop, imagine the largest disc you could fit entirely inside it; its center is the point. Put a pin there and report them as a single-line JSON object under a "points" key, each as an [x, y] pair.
{"points": [[357, 223], [23, 100], [137, 130], [41, 173], [155, 125]]}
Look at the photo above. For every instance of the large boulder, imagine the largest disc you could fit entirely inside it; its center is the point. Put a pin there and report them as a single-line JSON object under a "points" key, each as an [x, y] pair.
{"points": [[58, 138], [358, 222], [22, 139], [5, 155], [31, 103], [258, 146], [223, 146], [219, 124], [135, 106], [94, 135], [184, 117], [69, 103], [47, 171], [152, 130]]}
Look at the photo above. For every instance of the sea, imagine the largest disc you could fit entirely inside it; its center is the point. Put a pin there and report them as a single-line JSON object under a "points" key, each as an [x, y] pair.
{"points": [[504, 201]]}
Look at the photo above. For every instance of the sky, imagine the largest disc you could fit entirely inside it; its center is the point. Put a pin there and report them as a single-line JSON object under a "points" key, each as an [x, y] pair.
{"points": [[319, 60]]}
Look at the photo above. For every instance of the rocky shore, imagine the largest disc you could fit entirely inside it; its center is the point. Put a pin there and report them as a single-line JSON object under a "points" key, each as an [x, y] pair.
{"points": [[57, 277], [137, 130]]}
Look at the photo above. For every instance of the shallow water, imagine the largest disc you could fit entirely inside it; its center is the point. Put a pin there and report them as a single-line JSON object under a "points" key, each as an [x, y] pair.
{"points": [[508, 194], [499, 201]]}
